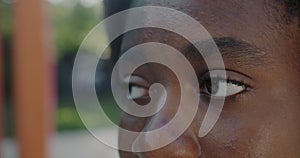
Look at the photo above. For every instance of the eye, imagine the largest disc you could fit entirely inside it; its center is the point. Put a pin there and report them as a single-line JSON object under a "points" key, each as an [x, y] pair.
{"points": [[137, 87], [136, 91], [220, 87]]}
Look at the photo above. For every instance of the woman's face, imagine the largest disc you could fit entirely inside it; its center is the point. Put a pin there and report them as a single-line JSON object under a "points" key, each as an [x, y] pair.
{"points": [[260, 46]]}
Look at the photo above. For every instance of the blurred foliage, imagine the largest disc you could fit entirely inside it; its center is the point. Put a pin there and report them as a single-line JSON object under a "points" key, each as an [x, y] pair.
{"points": [[6, 22], [6, 32], [68, 118], [71, 22]]}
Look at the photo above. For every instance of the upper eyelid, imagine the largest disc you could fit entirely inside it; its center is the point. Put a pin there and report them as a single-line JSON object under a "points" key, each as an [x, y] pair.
{"points": [[231, 75], [227, 70], [137, 80], [126, 79]]}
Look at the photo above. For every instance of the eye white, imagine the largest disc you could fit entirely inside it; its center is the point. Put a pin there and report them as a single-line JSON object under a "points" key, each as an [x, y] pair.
{"points": [[136, 87], [137, 92], [227, 89]]}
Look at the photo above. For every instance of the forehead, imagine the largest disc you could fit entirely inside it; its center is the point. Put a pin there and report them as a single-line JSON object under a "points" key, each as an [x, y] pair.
{"points": [[257, 22]]}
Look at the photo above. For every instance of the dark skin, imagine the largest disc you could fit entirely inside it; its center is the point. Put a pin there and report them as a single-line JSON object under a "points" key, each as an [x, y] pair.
{"points": [[261, 55]]}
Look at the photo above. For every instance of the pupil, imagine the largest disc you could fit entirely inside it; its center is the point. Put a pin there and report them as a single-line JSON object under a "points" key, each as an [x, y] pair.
{"points": [[130, 88], [213, 86]]}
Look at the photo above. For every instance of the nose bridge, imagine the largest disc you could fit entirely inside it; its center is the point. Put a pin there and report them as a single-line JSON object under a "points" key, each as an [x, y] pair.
{"points": [[186, 145], [171, 108], [166, 113]]}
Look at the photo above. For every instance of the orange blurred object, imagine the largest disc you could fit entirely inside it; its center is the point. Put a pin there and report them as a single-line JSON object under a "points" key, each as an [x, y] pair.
{"points": [[33, 78]]}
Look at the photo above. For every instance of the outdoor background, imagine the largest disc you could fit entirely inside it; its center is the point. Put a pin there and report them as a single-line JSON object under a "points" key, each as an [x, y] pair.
{"points": [[70, 21]]}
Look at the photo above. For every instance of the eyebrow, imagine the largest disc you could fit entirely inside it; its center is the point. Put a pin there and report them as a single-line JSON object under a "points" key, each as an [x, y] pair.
{"points": [[235, 50]]}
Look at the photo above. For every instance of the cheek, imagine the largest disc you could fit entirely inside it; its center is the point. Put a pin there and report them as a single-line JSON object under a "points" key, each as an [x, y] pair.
{"points": [[132, 123], [280, 135], [258, 125], [232, 136]]}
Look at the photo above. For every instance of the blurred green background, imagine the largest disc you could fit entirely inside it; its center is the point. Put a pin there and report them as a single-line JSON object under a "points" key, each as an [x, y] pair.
{"points": [[71, 22]]}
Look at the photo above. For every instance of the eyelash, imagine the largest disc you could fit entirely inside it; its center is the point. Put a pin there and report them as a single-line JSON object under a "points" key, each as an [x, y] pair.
{"points": [[228, 79]]}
